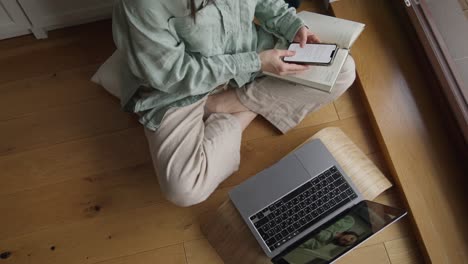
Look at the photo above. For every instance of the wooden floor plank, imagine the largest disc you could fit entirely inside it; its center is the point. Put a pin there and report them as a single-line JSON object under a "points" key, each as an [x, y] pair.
{"points": [[349, 104], [92, 44], [403, 251], [111, 236], [400, 229], [324, 115], [375, 254], [201, 252], [48, 91], [167, 255], [72, 160], [79, 199], [29, 42], [62, 124]]}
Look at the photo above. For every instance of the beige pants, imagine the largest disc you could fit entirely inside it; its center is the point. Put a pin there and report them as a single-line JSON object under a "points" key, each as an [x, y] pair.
{"points": [[192, 157]]}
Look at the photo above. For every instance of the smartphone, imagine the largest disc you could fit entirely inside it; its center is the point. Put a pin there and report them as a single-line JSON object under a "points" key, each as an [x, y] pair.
{"points": [[314, 54]]}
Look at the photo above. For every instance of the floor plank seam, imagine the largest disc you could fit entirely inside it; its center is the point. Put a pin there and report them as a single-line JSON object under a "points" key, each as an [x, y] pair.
{"points": [[53, 41], [57, 36], [56, 107], [92, 66], [410, 237], [382, 242], [194, 239], [185, 253], [71, 179], [37, 46], [136, 253], [7, 82], [45, 228], [386, 251], [75, 139], [337, 112]]}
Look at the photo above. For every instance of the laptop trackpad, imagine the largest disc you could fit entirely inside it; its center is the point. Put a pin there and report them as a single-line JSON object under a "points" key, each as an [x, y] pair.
{"points": [[270, 185]]}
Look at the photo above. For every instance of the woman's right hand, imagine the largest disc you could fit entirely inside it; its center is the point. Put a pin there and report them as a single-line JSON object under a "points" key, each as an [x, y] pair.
{"points": [[272, 62]]}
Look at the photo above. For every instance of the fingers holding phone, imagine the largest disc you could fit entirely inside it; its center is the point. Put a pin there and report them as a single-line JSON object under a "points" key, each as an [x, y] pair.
{"points": [[304, 36], [312, 38], [272, 61]]}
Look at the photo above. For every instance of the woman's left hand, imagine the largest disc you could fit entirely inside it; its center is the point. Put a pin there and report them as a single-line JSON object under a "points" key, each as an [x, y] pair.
{"points": [[304, 36]]}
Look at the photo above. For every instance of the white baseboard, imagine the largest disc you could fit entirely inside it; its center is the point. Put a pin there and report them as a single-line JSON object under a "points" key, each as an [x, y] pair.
{"points": [[14, 33], [75, 18]]}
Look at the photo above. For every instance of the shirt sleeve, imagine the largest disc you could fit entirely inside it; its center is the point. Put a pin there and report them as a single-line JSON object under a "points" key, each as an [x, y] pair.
{"points": [[157, 57], [276, 17]]}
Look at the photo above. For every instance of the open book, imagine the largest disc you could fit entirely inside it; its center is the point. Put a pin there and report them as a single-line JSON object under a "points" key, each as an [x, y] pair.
{"points": [[329, 30]]}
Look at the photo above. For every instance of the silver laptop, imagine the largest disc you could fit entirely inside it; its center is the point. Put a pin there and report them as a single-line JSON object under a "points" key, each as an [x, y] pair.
{"points": [[305, 209]]}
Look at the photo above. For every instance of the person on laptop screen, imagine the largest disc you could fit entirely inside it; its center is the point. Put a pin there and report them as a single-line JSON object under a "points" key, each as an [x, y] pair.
{"points": [[192, 74], [333, 240], [336, 234]]}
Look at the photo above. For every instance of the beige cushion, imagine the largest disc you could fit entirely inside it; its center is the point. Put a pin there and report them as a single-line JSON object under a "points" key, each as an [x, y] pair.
{"points": [[108, 74]]}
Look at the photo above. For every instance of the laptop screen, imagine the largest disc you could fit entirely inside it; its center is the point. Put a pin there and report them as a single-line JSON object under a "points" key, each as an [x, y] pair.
{"points": [[339, 235]]}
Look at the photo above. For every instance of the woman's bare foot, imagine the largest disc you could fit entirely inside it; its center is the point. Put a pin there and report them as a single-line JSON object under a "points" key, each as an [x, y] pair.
{"points": [[245, 118], [227, 102], [224, 102]]}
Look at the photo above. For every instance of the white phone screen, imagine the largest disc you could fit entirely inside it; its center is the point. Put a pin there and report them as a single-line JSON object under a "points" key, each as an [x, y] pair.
{"points": [[312, 53]]}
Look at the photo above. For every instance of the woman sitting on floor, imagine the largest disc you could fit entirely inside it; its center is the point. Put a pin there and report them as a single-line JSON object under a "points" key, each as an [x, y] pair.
{"points": [[193, 76]]}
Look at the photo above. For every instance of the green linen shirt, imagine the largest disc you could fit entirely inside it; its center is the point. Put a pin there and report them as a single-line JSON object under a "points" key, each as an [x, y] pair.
{"points": [[174, 60]]}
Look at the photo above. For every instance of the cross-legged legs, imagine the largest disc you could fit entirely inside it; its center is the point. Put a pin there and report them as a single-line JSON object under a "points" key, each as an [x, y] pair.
{"points": [[191, 156]]}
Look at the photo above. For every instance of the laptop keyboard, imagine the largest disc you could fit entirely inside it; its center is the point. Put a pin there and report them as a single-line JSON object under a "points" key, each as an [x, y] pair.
{"points": [[306, 205]]}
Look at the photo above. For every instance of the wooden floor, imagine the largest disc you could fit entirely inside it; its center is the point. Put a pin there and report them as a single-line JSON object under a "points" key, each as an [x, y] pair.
{"points": [[77, 185]]}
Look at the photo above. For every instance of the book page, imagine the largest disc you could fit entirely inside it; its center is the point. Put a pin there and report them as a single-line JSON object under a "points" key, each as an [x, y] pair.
{"points": [[318, 77], [367, 178], [331, 29]]}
